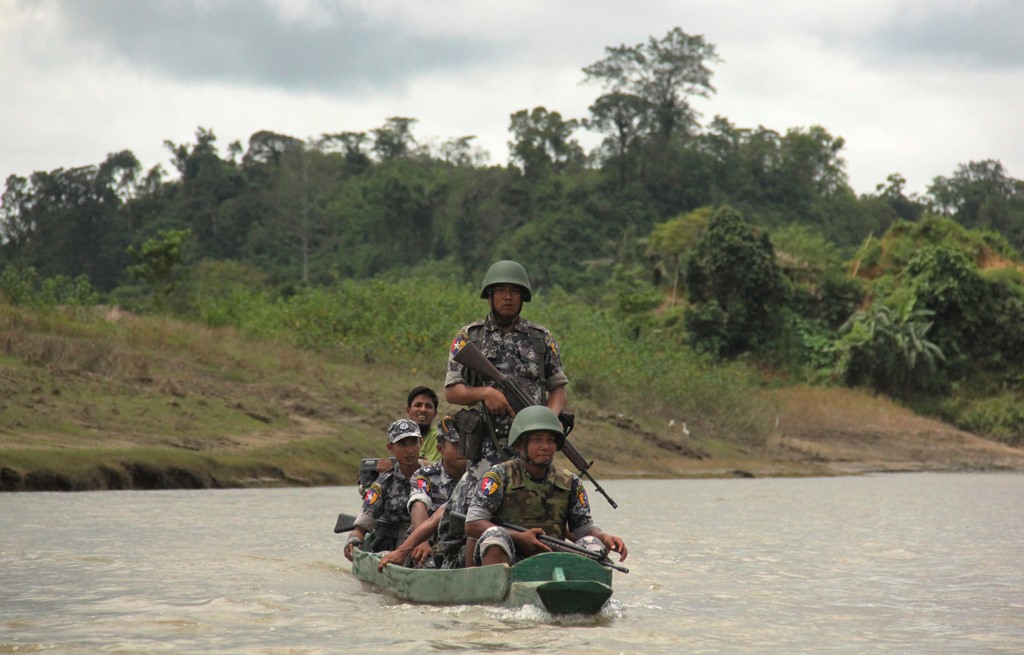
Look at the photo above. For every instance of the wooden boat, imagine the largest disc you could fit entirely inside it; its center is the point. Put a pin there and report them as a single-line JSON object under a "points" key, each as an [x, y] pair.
{"points": [[561, 583]]}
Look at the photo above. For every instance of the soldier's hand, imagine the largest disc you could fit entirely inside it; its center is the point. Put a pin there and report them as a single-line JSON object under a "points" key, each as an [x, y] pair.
{"points": [[527, 542], [496, 402], [421, 553], [384, 464], [613, 543], [396, 556], [348, 551]]}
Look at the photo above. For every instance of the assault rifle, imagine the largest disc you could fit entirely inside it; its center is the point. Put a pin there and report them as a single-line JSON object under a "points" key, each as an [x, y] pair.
{"points": [[470, 356], [554, 543]]}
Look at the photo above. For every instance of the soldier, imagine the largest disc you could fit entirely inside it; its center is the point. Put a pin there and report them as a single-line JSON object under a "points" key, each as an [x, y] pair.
{"points": [[449, 546], [433, 484], [531, 492], [385, 511], [518, 348]]}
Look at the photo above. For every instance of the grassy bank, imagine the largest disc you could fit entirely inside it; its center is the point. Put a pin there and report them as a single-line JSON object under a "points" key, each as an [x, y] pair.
{"points": [[99, 399]]}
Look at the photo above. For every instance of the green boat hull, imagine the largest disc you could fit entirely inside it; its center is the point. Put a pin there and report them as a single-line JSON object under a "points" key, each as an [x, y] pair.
{"points": [[561, 583]]}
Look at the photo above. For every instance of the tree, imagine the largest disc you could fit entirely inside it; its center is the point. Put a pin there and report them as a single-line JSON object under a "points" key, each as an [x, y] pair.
{"points": [[662, 76], [676, 238], [907, 208], [394, 139], [69, 221], [888, 349], [542, 142], [267, 147], [737, 291], [353, 146], [159, 263], [305, 177], [206, 186], [981, 195], [462, 152], [625, 119]]}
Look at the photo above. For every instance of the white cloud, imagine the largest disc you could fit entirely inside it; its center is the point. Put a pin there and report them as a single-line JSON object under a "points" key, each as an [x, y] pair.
{"points": [[83, 79]]}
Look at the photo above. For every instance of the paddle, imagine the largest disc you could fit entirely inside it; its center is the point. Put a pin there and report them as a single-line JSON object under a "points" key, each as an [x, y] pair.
{"points": [[346, 523], [553, 542]]}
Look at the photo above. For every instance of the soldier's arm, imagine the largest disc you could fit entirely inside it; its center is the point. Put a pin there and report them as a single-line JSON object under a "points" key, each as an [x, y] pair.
{"points": [[557, 398], [417, 513], [492, 397]]}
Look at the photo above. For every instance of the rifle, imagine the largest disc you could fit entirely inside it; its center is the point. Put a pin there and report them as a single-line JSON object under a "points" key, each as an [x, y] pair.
{"points": [[345, 523], [554, 543], [470, 356]]}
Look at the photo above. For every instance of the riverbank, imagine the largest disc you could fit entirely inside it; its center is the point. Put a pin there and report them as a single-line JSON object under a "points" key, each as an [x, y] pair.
{"points": [[158, 404]]}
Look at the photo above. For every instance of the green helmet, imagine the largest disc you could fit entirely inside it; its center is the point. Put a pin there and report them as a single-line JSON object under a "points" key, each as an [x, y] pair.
{"points": [[507, 272], [532, 419]]}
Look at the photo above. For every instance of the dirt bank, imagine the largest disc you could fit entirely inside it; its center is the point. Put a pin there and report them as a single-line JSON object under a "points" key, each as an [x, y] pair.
{"points": [[844, 431]]}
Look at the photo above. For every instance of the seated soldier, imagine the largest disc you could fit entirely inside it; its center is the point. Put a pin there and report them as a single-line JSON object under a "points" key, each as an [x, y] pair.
{"points": [[449, 539], [531, 492], [385, 506], [433, 484]]}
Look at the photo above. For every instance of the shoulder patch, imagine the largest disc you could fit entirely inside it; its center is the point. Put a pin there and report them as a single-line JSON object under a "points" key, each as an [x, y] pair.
{"points": [[459, 342], [372, 494], [581, 495], [490, 483], [423, 484]]}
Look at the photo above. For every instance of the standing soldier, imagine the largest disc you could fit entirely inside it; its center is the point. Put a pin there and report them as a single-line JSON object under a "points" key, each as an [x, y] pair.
{"points": [[517, 347]]}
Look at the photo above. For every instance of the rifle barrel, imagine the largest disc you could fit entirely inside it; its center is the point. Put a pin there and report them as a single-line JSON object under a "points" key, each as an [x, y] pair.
{"points": [[556, 543], [600, 490]]}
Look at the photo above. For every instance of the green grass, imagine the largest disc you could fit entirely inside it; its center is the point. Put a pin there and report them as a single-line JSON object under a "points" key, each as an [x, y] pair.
{"points": [[301, 389]]}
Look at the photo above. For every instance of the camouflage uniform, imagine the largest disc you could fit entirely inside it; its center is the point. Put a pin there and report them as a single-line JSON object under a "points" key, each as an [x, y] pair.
{"points": [[449, 547], [431, 485], [385, 509], [513, 353], [507, 493]]}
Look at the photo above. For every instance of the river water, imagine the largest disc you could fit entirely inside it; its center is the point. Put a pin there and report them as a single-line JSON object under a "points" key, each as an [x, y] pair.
{"points": [[906, 563]]}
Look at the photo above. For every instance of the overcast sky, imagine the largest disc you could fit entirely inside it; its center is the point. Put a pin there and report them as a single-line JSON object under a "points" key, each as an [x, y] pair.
{"points": [[915, 87]]}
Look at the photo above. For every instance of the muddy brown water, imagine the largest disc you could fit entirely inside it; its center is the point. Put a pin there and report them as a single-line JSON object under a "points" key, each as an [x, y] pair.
{"points": [[926, 563]]}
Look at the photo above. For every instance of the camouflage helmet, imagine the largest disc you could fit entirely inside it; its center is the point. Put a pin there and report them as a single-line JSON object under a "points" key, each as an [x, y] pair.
{"points": [[401, 429], [507, 272], [533, 419], [446, 430]]}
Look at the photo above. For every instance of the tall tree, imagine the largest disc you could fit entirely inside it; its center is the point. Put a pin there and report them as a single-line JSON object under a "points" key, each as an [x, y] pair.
{"points": [[69, 221], [542, 142], [981, 195], [206, 186], [737, 290], [625, 120], [663, 75], [306, 176], [394, 139]]}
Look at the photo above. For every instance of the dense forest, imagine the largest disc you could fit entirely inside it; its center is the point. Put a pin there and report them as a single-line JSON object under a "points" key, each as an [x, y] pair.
{"points": [[741, 245]]}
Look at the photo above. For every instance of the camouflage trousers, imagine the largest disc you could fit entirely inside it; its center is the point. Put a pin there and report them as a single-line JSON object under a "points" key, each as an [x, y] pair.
{"points": [[499, 537]]}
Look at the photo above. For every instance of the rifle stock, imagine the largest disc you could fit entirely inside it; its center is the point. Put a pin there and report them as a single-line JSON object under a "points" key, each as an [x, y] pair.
{"points": [[345, 523], [470, 356]]}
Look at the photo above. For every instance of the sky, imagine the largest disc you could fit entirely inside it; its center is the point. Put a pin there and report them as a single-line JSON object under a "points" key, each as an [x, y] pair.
{"points": [[914, 87]]}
